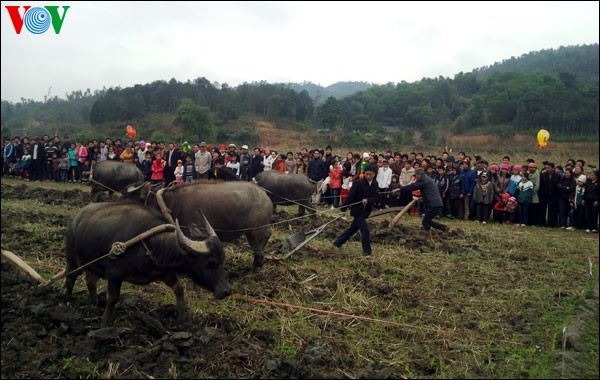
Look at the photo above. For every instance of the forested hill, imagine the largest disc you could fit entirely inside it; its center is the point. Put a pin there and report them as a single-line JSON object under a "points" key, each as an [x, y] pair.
{"points": [[516, 96], [580, 61], [338, 90]]}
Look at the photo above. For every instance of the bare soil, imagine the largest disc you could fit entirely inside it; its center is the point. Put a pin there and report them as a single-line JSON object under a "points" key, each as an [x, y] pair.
{"points": [[45, 335]]}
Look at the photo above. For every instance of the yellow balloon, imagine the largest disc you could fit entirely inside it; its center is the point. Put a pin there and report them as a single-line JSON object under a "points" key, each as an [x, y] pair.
{"points": [[542, 137]]}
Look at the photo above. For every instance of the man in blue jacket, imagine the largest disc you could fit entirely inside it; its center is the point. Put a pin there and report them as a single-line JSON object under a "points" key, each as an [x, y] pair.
{"points": [[361, 198], [469, 175], [432, 201]]}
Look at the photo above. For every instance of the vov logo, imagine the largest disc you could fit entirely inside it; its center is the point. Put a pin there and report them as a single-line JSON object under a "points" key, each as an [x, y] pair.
{"points": [[37, 20]]}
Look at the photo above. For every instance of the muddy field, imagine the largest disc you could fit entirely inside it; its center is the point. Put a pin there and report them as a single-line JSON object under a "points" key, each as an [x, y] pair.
{"points": [[481, 302]]}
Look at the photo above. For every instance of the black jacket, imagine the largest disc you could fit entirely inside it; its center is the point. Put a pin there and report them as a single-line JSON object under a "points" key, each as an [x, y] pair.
{"points": [[429, 191], [361, 190], [224, 173], [565, 188], [317, 169]]}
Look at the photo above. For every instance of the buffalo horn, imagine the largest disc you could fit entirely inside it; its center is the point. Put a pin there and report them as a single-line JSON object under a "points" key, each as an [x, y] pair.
{"points": [[209, 229], [191, 246], [134, 187]]}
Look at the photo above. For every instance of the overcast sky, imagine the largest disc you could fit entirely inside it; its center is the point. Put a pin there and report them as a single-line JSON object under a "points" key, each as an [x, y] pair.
{"points": [[109, 44]]}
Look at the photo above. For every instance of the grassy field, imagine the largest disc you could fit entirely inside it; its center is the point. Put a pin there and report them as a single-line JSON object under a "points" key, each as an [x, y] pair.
{"points": [[488, 301]]}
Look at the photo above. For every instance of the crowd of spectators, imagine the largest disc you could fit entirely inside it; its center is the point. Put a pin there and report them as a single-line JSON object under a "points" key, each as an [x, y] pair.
{"points": [[562, 195]]}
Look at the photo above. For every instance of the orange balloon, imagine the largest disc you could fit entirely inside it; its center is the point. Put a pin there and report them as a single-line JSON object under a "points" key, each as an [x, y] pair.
{"points": [[131, 132]]}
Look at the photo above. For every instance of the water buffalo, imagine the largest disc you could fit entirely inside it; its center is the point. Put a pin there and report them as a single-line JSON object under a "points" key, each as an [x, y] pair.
{"points": [[163, 256], [283, 188], [233, 209], [114, 176]]}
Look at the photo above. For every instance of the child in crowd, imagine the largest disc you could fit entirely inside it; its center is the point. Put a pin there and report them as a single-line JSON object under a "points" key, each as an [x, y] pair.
{"points": [[189, 170], [483, 197], [86, 170], [178, 172], [524, 197], [578, 214], [147, 166], [511, 210], [394, 199], [158, 169], [23, 165], [55, 167], [515, 178], [500, 209], [335, 182], [63, 167]]}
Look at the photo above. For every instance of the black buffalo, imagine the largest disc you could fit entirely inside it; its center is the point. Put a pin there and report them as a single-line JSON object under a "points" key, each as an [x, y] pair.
{"points": [[233, 208], [114, 176], [163, 256], [288, 189]]}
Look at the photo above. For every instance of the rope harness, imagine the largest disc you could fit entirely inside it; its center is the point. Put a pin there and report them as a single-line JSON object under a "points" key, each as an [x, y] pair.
{"points": [[119, 248]]}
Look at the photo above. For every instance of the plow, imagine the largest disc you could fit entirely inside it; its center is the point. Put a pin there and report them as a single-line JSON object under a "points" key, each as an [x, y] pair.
{"points": [[300, 239]]}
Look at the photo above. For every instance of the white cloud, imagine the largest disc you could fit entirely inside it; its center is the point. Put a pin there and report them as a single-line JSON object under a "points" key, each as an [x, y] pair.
{"points": [[125, 43]]}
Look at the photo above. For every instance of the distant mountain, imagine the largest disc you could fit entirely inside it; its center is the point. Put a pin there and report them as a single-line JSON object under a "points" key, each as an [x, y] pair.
{"points": [[338, 90], [580, 61]]}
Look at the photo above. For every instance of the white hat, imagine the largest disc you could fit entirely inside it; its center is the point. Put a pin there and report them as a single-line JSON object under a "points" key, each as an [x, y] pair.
{"points": [[244, 146], [366, 155]]}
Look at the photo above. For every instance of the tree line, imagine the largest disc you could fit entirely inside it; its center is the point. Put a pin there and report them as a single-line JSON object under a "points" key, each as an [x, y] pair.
{"points": [[486, 100]]}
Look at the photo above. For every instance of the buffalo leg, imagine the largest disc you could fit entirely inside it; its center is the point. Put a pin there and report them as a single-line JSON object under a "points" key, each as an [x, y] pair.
{"points": [[112, 297], [91, 280], [311, 208], [95, 193], [173, 282], [257, 240], [71, 277], [69, 284]]}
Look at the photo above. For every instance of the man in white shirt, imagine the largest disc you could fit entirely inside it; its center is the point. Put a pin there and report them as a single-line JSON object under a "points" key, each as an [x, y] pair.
{"points": [[384, 179]]}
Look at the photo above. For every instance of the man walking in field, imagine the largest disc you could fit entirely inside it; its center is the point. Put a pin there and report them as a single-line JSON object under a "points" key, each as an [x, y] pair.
{"points": [[432, 201], [363, 195]]}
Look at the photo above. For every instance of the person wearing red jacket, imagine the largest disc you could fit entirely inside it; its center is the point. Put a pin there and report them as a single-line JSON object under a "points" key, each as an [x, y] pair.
{"points": [[158, 169], [335, 182], [500, 208]]}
